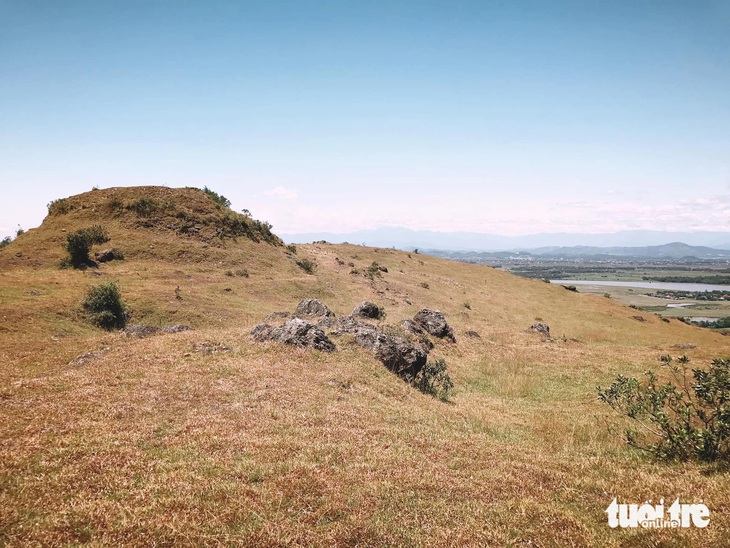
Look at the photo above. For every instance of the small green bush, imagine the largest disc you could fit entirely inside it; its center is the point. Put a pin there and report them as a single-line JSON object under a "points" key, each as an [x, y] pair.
{"points": [[373, 271], [145, 207], [306, 265], [433, 379], [292, 249], [115, 205], [78, 244], [5, 241], [217, 198], [104, 307], [685, 419], [59, 207]]}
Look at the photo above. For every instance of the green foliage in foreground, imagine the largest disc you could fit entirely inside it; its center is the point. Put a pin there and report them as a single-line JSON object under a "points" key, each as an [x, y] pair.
{"points": [[685, 419], [104, 307]]}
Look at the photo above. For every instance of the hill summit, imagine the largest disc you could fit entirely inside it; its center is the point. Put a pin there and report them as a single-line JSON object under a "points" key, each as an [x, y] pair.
{"points": [[181, 221]]}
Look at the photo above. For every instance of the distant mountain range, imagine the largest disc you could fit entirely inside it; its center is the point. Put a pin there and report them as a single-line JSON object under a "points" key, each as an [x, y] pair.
{"points": [[619, 243], [675, 250]]}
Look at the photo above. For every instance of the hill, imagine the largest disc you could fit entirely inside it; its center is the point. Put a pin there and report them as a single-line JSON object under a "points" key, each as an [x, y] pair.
{"points": [[206, 436]]}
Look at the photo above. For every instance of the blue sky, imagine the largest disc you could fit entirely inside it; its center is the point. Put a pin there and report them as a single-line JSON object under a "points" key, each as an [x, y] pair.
{"points": [[509, 117]]}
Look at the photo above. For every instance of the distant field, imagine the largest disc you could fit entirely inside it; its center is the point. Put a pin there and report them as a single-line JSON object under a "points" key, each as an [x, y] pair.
{"points": [[640, 297]]}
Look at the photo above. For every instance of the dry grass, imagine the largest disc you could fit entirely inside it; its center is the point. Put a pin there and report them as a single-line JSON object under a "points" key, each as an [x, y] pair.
{"points": [[151, 443]]}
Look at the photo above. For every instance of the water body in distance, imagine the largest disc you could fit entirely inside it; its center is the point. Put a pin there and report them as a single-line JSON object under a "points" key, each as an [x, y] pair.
{"points": [[647, 285]]}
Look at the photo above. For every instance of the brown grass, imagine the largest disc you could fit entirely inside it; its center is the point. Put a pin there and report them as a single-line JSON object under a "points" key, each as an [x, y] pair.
{"points": [[151, 443]]}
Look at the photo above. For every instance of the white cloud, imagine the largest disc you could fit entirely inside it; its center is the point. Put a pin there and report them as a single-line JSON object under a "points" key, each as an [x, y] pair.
{"points": [[282, 193]]}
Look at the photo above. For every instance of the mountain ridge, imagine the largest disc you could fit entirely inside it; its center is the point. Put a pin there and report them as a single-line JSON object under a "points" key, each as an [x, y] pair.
{"points": [[404, 238]]}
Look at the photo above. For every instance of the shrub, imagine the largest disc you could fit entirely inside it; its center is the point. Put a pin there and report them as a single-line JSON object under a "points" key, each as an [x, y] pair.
{"points": [[373, 270], [115, 205], [59, 207], [292, 249], [104, 307], [425, 285], [433, 379], [5, 241], [78, 244], [306, 265], [217, 198], [685, 419], [144, 207]]}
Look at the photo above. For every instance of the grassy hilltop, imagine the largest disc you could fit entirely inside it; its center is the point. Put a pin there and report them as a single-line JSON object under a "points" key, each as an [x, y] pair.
{"points": [[206, 437]]}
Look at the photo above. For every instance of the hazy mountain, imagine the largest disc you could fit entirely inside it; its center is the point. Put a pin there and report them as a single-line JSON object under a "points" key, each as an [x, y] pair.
{"points": [[674, 250], [403, 238]]}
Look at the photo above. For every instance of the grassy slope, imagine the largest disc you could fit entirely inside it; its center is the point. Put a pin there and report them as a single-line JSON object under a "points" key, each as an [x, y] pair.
{"points": [[152, 442]]}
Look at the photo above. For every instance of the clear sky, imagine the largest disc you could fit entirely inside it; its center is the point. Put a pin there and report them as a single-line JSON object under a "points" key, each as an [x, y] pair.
{"points": [[510, 117]]}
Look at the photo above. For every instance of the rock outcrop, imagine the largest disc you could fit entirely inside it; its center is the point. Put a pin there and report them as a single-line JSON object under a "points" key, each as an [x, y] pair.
{"points": [[542, 328], [295, 332], [313, 308], [108, 255], [367, 309], [403, 350], [434, 323]]}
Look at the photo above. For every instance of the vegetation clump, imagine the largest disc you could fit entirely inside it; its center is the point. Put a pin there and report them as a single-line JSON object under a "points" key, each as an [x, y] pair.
{"points": [[104, 307], [306, 265], [145, 207], [5, 241], [433, 379], [685, 419], [59, 207], [78, 245], [720, 323], [217, 198]]}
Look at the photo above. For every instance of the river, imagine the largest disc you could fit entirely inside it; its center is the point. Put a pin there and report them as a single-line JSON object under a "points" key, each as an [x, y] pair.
{"points": [[647, 285]]}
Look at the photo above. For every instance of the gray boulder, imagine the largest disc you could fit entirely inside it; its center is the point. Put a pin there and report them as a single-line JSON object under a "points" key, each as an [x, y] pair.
{"points": [[295, 332], [367, 309], [412, 327], [179, 328], [398, 354], [542, 328], [140, 331], [313, 307], [108, 255], [434, 323], [276, 316]]}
